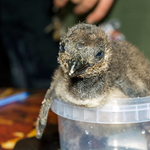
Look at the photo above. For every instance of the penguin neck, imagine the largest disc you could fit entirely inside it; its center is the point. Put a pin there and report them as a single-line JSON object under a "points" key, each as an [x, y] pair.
{"points": [[85, 87], [84, 81]]}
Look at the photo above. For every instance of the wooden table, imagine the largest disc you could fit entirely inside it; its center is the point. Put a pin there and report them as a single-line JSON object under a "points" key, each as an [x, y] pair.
{"points": [[18, 122]]}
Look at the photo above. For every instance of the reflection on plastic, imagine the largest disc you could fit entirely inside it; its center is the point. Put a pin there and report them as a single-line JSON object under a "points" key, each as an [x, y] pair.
{"points": [[124, 126]]}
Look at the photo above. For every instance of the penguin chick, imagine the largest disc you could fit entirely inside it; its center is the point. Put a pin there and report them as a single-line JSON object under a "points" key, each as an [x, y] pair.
{"points": [[94, 70]]}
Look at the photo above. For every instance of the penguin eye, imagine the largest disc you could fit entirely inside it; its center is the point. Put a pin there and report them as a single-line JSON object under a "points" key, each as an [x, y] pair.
{"points": [[62, 47], [100, 54]]}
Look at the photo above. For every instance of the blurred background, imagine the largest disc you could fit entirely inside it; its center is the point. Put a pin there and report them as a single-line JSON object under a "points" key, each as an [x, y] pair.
{"points": [[30, 31], [28, 55]]}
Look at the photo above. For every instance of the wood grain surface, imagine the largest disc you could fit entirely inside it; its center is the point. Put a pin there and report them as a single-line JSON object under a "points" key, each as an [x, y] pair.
{"points": [[18, 120]]}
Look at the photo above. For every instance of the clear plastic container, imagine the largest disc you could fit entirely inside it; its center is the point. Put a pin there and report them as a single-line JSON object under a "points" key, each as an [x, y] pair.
{"points": [[123, 124]]}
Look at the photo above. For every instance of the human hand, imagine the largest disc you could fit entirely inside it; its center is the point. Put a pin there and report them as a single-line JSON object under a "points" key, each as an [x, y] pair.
{"points": [[83, 6]]}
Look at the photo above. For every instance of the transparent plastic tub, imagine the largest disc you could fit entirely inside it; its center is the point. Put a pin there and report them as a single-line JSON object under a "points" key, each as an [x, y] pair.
{"points": [[123, 124]]}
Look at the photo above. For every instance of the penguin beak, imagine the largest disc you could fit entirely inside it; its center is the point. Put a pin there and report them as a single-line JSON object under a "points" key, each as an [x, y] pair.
{"points": [[76, 68], [72, 68]]}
